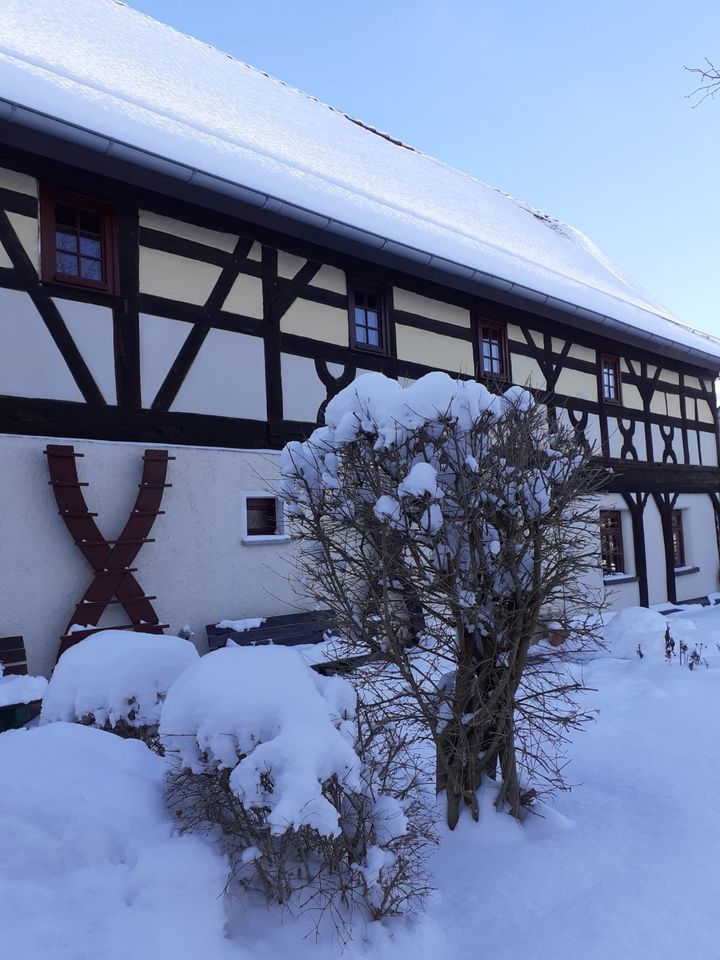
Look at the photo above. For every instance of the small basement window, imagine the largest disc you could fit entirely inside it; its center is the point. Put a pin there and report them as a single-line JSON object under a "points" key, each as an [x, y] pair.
{"points": [[611, 543], [368, 327], [262, 518], [493, 349], [610, 375], [77, 240]]}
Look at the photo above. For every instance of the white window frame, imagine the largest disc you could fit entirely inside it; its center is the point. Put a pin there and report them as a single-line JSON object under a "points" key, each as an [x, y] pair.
{"points": [[253, 538]]}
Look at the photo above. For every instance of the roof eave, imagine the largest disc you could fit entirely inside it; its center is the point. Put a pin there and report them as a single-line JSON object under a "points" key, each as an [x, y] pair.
{"points": [[454, 273]]}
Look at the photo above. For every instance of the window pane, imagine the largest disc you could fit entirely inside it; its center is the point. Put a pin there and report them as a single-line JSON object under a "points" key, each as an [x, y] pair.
{"points": [[89, 221], [373, 338], [610, 379], [67, 264], [90, 246], [361, 334], [261, 516], [66, 242], [91, 269], [65, 215], [372, 319]]}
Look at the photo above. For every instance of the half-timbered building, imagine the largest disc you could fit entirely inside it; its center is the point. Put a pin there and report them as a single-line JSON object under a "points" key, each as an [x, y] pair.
{"points": [[195, 257]]}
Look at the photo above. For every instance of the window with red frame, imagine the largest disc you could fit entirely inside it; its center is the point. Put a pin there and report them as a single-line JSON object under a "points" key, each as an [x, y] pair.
{"points": [[493, 349], [678, 538], [77, 240], [611, 542]]}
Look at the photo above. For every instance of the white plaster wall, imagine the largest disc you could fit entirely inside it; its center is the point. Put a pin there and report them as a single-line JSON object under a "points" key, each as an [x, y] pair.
{"points": [[177, 278], [91, 327], [705, 412], [631, 396], [289, 264], [579, 352], [160, 341], [227, 378], [30, 363], [197, 567], [21, 182], [28, 233], [432, 349], [655, 552], [527, 372], [330, 278], [708, 449], [515, 333], [245, 297], [303, 390], [188, 231], [700, 547], [575, 383], [433, 309], [316, 320]]}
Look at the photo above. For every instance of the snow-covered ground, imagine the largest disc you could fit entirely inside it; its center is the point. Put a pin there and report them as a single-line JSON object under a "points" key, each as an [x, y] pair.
{"points": [[623, 866]]}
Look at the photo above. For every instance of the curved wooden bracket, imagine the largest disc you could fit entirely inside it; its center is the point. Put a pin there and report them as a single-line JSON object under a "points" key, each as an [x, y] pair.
{"points": [[111, 560]]}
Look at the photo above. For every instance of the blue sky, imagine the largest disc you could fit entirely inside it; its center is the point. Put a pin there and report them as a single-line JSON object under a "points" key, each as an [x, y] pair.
{"points": [[579, 108]]}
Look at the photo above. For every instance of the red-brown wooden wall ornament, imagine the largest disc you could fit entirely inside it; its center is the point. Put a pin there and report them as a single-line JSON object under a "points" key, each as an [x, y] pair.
{"points": [[111, 560]]}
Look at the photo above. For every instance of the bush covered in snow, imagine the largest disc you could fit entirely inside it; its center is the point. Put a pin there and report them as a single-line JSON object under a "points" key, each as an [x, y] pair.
{"points": [[117, 680], [637, 633], [269, 758], [440, 522], [636, 627]]}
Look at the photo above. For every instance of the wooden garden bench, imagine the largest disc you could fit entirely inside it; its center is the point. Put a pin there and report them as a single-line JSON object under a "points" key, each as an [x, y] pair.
{"points": [[14, 660], [287, 631]]}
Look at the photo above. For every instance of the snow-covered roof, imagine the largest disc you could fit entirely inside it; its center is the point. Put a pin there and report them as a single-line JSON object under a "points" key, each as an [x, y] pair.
{"points": [[103, 66]]}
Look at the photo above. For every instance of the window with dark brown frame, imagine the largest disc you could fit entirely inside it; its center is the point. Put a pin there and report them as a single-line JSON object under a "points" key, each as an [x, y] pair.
{"points": [[611, 542], [678, 539], [261, 516], [368, 318], [77, 240], [492, 340], [610, 376]]}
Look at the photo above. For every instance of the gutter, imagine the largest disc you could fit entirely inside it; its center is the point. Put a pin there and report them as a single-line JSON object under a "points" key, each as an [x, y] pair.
{"points": [[15, 113]]}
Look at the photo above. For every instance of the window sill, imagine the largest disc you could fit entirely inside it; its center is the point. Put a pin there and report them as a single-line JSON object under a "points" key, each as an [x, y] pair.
{"points": [[268, 538], [620, 578], [684, 571]]}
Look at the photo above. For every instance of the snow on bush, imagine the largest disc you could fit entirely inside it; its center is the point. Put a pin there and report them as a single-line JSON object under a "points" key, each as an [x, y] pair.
{"points": [[263, 715], [273, 760], [90, 865], [116, 679], [636, 627]]}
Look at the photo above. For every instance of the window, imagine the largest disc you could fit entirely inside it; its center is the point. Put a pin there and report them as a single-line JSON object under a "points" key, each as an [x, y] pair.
{"points": [[493, 349], [611, 543], [610, 375], [368, 328], [678, 539], [78, 240], [262, 518]]}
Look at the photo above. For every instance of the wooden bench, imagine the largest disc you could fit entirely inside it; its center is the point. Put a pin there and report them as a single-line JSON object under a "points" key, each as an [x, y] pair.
{"points": [[14, 660], [287, 631]]}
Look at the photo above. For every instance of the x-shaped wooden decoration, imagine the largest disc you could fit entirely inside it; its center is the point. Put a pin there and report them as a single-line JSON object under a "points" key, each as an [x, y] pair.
{"points": [[111, 560]]}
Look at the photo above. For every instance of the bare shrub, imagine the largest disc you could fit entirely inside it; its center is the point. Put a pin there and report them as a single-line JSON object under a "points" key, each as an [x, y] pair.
{"points": [[443, 526]]}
